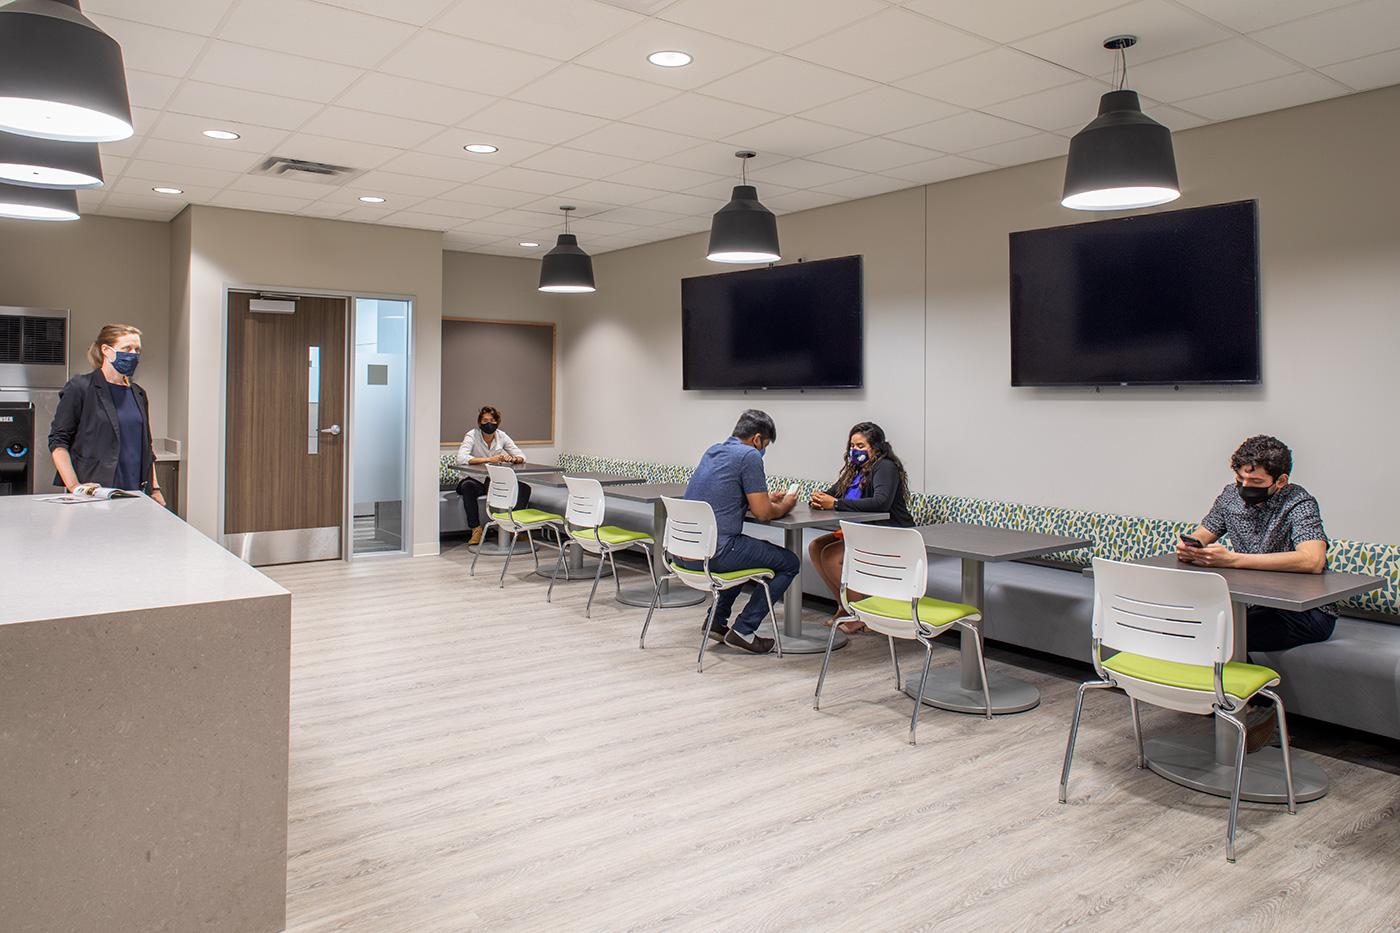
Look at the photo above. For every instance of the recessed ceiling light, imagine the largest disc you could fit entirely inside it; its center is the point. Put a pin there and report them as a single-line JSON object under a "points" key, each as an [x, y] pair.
{"points": [[481, 148], [168, 190], [371, 199], [669, 59], [528, 243], [220, 134]]}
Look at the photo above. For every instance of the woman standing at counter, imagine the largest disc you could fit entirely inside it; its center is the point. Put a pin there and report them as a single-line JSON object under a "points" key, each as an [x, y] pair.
{"points": [[872, 479], [101, 432]]}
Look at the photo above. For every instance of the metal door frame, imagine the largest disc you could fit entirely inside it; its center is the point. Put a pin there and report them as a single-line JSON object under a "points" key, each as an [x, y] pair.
{"points": [[348, 463]]}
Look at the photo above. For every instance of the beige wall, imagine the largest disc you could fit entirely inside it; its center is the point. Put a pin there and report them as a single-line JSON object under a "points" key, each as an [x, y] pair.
{"points": [[937, 337], [106, 271], [499, 288], [230, 247]]}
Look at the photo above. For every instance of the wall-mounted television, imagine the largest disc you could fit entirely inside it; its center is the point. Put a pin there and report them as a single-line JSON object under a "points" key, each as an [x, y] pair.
{"points": [[797, 326], [1170, 298]]}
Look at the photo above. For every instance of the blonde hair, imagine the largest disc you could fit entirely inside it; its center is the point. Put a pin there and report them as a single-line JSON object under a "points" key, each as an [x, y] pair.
{"points": [[108, 337]]}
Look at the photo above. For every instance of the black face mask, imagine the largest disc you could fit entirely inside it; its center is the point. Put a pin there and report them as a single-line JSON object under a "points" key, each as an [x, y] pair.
{"points": [[1253, 495], [488, 428]]}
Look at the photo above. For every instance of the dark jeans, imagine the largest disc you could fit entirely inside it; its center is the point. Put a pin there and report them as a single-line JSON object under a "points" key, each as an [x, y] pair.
{"points": [[1279, 629], [471, 490], [744, 553]]}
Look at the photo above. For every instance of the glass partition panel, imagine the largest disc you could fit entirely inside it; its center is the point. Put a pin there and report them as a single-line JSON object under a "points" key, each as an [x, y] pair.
{"points": [[379, 441]]}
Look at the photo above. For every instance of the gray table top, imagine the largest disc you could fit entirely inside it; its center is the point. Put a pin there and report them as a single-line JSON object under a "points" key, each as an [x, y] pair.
{"points": [[1280, 590], [556, 478], [526, 467], [804, 516], [648, 492], [986, 543]]}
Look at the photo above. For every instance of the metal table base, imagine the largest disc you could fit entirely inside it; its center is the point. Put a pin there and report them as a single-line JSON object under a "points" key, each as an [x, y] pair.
{"points": [[1189, 760], [672, 597], [501, 546], [945, 690]]}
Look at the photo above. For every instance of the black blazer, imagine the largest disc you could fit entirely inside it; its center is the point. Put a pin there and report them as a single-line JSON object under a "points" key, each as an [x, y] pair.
{"points": [[85, 424], [882, 493]]}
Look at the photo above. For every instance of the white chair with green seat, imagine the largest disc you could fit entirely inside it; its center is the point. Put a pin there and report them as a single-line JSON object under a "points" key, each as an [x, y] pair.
{"points": [[691, 534], [583, 527], [500, 497], [889, 567], [1173, 636]]}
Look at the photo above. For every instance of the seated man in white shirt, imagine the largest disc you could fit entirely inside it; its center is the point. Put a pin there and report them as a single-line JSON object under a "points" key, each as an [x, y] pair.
{"points": [[486, 443]]}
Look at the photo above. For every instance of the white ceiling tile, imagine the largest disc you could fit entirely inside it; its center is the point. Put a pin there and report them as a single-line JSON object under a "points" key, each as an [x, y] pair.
{"points": [[544, 214], [702, 116], [587, 90], [148, 90], [714, 57], [800, 173], [314, 30], [1338, 35], [520, 120], [193, 16], [560, 29], [421, 221], [989, 78], [251, 201], [639, 216], [248, 107], [377, 128], [182, 127], [324, 209], [179, 176], [496, 229], [467, 241], [718, 159], [89, 199], [881, 110], [455, 209], [524, 179], [290, 185], [451, 143], [1006, 20], [874, 155], [800, 201], [348, 195], [1289, 91], [609, 193], [366, 213], [142, 187], [136, 213], [683, 204], [251, 69], [1068, 105], [1206, 70], [865, 186], [635, 142], [594, 228], [438, 58], [941, 169], [660, 177], [1162, 29], [793, 137], [1249, 15], [1023, 150], [786, 85], [417, 12], [967, 130], [1170, 117], [893, 44], [347, 152], [193, 154], [475, 193], [445, 168], [113, 165], [151, 48], [565, 161], [1366, 73], [773, 24], [415, 100]]}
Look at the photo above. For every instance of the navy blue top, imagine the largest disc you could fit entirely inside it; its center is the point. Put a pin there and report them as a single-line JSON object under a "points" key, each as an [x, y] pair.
{"points": [[131, 431], [727, 473]]}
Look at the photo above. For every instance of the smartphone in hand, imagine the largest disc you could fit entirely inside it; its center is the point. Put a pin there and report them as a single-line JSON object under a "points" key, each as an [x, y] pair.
{"points": [[1190, 541], [791, 490]]}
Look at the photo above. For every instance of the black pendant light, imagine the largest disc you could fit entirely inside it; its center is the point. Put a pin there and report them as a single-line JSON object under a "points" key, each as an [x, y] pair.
{"points": [[1123, 159], [744, 230], [566, 268], [48, 163], [23, 203], [60, 76]]}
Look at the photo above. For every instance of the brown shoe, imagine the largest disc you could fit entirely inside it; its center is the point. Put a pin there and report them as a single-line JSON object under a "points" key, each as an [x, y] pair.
{"points": [[718, 631], [476, 536], [1257, 733], [755, 646]]}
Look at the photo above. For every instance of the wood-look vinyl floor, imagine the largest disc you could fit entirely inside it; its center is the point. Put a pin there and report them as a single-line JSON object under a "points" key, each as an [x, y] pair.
{"points": [[465, 757]]}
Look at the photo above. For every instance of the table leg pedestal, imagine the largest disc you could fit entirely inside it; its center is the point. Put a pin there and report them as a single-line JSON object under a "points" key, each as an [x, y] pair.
{"points": [[501, 546], [672, 597], [1189, 760], [797, 637]]}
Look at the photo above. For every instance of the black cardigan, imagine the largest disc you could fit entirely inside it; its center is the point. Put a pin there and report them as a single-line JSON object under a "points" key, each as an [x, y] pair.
{"points": [[881, 493], [85, 424]]}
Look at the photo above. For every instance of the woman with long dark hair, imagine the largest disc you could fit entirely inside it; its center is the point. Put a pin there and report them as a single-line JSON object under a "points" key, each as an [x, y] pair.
{"points": [[872, 479]]}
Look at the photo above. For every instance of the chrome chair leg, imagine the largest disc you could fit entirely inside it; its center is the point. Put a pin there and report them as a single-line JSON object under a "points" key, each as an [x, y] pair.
{"points": [[484, 528], [1137, 733], [510, 552], [826, 659], [777, 635], [557, 564], [1238, 723], [981, 662], [1287, 748], [534, 551], [1074, 732], [919, 700], [655, 596], [705, 635], [894, 658], [588, 610]]}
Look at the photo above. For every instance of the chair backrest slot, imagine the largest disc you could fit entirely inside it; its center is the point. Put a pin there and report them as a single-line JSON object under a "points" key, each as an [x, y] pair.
{"points": [[691, 533], [502, 489], [1162, 612], [884, 561], [586, 505]]}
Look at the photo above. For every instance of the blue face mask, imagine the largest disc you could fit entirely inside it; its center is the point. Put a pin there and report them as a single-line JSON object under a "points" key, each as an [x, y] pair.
{"points": [[125, 363], [858, 456]]}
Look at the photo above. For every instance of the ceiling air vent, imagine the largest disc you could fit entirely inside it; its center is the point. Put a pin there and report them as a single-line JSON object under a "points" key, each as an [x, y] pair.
{"points": [[44, 341], [10, 328], [299, 169]]}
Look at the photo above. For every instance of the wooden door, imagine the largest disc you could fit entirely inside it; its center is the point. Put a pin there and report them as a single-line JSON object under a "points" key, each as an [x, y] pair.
{"points": [[284, 463]]}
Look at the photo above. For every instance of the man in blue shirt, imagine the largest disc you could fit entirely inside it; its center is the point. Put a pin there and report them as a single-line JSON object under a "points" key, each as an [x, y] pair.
{"points": [[730, 478]]}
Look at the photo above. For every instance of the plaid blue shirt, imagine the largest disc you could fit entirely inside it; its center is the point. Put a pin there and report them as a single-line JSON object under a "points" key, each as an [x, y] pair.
{"points": [[1277, 525]]}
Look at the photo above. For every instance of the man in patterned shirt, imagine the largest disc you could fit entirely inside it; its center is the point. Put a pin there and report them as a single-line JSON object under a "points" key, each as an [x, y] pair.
{"points": [[1273, 525]]}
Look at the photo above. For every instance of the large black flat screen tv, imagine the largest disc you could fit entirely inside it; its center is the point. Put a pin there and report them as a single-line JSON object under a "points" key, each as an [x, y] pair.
{"points": [[1158, 299], [787, 327]]}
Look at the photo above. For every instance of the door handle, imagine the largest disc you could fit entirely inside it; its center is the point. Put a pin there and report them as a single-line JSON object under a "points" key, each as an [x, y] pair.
{"points": [[333, 429]]}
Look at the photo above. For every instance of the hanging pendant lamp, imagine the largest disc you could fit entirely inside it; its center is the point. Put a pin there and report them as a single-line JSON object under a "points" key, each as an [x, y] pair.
{"points": [[47, 163], [60, 76], [566, 268], [1123, 159], [24, 203], [744, 230]]}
